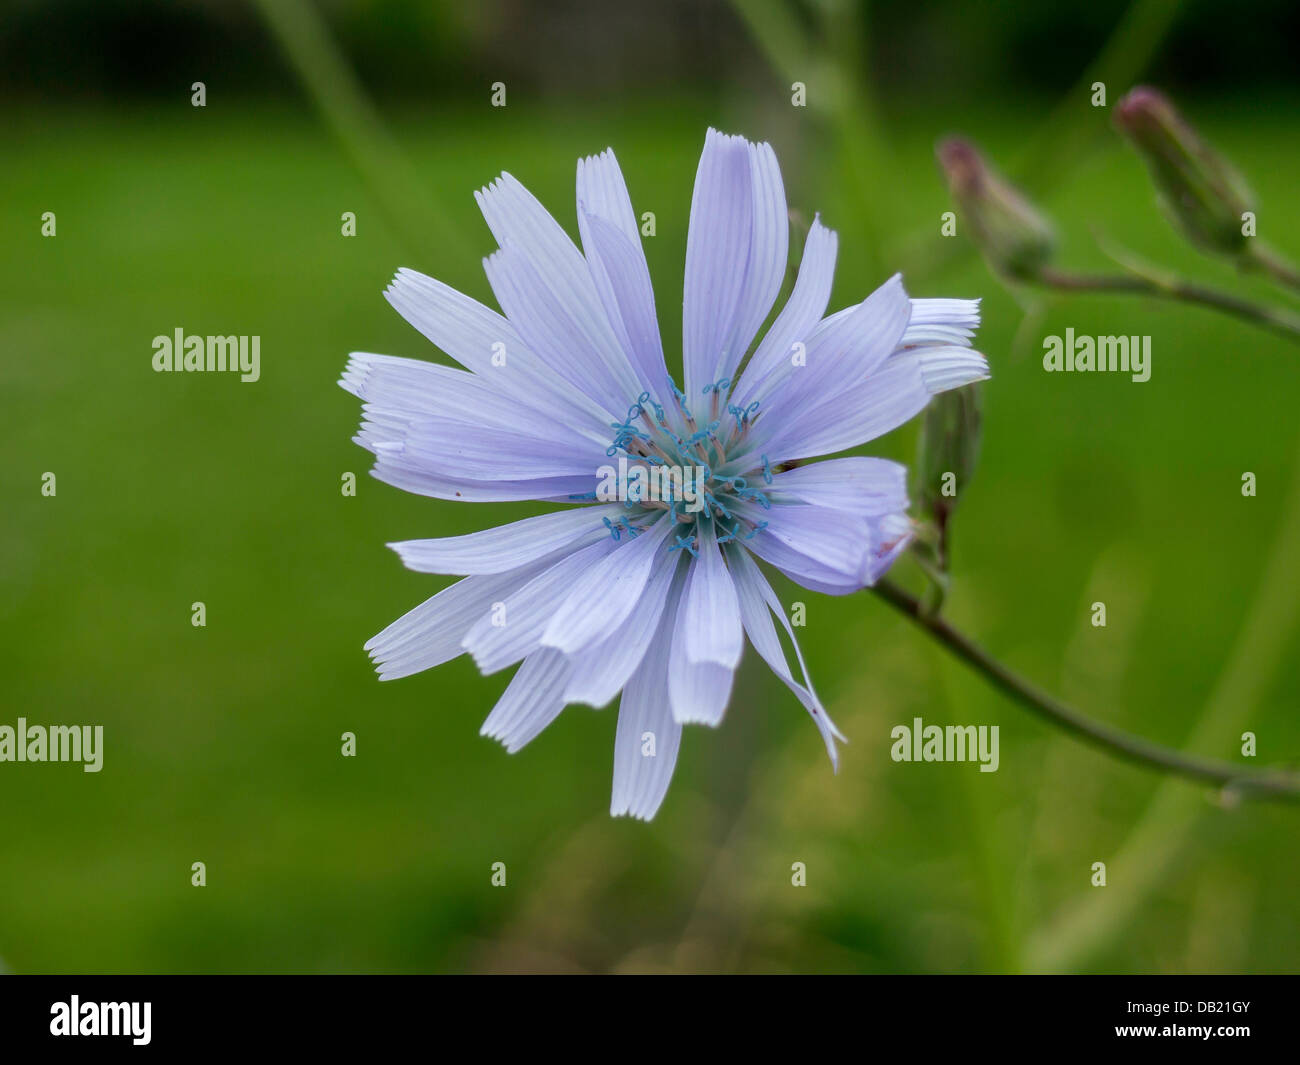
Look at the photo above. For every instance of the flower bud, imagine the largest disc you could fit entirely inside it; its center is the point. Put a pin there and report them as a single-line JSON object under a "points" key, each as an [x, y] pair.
{"points": [[948, 451], [1200, 191], [1013, 236]]}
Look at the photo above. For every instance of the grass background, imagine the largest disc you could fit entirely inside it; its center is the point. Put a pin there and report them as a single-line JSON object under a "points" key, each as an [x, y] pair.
{"points": [[222, 743]]}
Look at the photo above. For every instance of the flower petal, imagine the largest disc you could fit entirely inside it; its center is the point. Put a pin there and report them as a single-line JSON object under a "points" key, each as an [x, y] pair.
{"points": [[601, 670], [825, 550], [648, 736], [618, 264], [710, 613], [942, 321], [757, 604], [590, 358], [896, 392], [484, 342], [769, 248], [773, 359], [717, 257], [532, 700], [843, 350], [564, 304], [502, 637], [470, 449], [708, 640], [406, 388], [508, 546], [697, 691], [431, 633], [890, 536], [602, 596], [414, 477], [863, 486], [616, 259]]}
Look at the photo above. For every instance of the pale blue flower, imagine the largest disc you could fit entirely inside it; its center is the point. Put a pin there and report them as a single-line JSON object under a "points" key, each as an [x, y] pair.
{"points": [[648, 598]]}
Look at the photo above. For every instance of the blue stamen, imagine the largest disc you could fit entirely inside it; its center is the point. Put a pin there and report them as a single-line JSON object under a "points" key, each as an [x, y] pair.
{"points": [[684, 544], [644, 398]]}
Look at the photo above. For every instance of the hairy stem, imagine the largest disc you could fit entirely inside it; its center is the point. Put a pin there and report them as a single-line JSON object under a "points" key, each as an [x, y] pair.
{"points": [[1269, 783]]}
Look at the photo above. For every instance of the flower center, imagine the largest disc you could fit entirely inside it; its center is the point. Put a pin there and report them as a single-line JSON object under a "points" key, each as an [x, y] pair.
{"points": [[681, 464]]}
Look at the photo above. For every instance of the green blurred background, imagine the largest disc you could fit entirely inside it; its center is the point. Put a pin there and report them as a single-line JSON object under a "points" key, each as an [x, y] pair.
{"points": [[223, 743]]}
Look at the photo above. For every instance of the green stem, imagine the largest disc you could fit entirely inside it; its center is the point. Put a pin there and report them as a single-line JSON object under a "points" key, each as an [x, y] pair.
{"points": [[1275, 318], [1268, 783], [1273, 263]]}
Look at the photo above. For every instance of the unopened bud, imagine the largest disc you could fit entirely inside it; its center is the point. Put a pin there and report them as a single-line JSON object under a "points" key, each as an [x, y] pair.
{"points": [[1013, 236], [948, 451], [1200, 190]]}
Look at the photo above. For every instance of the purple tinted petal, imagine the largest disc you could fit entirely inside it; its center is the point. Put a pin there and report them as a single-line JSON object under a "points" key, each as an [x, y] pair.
{"points": [[896, 392], [710, 613], [486, 343], [717, 255], [768, 251], [773, 359], [431, 634], [602, 596], [532, 700], [590, 358], [826, 550], [502, 637], [757, 604], [415, 477], [508, 546], [648, 737], [842, 351], [407, 388], [601, 670], [862, 486], [618, 264]]}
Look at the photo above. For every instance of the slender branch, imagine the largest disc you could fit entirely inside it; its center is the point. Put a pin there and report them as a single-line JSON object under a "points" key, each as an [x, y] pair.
{"points": [[1277, 319], [1280, 269], [1270, 783]]}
